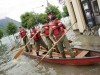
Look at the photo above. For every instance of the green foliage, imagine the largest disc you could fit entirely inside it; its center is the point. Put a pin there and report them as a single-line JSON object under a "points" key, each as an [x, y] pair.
{"points": [[36, 18], [31, 19], [42, 17], [65, 13], [11, 28], [1, 33], [27, 20], [52, 8], [3, 29]]}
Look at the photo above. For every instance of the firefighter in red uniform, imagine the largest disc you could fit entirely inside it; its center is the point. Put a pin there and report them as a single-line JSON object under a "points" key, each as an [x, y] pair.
{"points": [[57, 30], [37, 39], [23, 35], [45, 32]]}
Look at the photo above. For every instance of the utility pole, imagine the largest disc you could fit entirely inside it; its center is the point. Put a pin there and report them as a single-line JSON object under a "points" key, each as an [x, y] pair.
{"points": [[50, 13], [48, 5], [35, 13]]}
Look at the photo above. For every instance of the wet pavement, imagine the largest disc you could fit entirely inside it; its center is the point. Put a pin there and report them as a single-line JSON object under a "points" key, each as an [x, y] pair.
{"points": [[26, 66]]}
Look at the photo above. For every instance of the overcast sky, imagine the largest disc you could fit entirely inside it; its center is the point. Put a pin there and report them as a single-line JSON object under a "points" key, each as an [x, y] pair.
{"points": [[14, 8]]}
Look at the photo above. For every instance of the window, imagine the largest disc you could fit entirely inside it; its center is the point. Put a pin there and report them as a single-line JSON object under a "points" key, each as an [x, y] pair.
{"points": [[95, 7]]}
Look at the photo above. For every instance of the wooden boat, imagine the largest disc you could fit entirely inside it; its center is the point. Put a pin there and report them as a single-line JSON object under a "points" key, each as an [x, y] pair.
{"points": [[82, 56]]}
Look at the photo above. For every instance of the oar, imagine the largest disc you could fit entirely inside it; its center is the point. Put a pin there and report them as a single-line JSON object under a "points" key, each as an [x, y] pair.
{"points": [[54, 45], [70, 41], [16, 44], [22, 49]]}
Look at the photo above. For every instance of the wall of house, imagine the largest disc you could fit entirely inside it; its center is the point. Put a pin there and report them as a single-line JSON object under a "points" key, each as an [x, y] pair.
{"points": [[98, 3], [75, 12], [71, 13], [97, 18]]}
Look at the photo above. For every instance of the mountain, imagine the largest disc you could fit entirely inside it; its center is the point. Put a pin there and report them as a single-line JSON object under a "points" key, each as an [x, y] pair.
{"points": [[3, 23]]}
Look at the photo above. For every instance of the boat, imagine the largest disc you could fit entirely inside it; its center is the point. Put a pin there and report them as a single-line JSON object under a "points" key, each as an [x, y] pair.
{"points": [[82, 56]]}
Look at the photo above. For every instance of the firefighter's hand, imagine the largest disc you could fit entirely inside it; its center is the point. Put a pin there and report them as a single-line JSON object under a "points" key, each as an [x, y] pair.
{"points": [[42, 34], [55, 43], [38, 31], [67, 28]]}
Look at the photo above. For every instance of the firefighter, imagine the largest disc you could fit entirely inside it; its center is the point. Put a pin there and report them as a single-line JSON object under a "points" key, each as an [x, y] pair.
{"points": [[57, 30], [45, 32], [23, 35], [37, 39]]}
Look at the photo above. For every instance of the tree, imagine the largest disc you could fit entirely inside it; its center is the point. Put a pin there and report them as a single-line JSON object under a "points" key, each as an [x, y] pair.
{"points": [[42, 17], [65, 13], [1, 35], [54, 9], [28, 20], [11, 28]]}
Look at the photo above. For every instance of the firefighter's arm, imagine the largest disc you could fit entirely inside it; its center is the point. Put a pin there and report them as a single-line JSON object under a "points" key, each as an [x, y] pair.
{"points": [[65, 27], [54, 42], [42, 32], [51, 36]]}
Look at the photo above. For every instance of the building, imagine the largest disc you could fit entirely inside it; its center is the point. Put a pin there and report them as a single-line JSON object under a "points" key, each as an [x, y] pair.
{"points": [[85, 12]]}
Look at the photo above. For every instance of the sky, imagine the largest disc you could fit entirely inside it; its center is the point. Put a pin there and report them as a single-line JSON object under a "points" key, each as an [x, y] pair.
{"points": [[14, 8]]}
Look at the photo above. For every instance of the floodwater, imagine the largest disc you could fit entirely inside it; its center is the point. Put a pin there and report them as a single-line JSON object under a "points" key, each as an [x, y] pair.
{"points": [[26, 66]]}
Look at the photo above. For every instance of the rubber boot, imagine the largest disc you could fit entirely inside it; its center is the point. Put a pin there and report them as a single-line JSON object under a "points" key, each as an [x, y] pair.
{"points": [[38, 54], [45, 51], [47, 48], [26, 49], [63, 55]]}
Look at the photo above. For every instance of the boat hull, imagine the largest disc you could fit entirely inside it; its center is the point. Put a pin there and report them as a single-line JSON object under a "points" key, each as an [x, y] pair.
{"points": [[70, 61]]}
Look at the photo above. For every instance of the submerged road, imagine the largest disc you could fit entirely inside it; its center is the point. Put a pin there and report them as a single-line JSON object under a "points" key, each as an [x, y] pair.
{"points": [[26, 66]]}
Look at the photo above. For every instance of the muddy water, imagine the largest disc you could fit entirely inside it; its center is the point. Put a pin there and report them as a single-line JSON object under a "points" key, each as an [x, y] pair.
{"points": [[26, 66]]}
